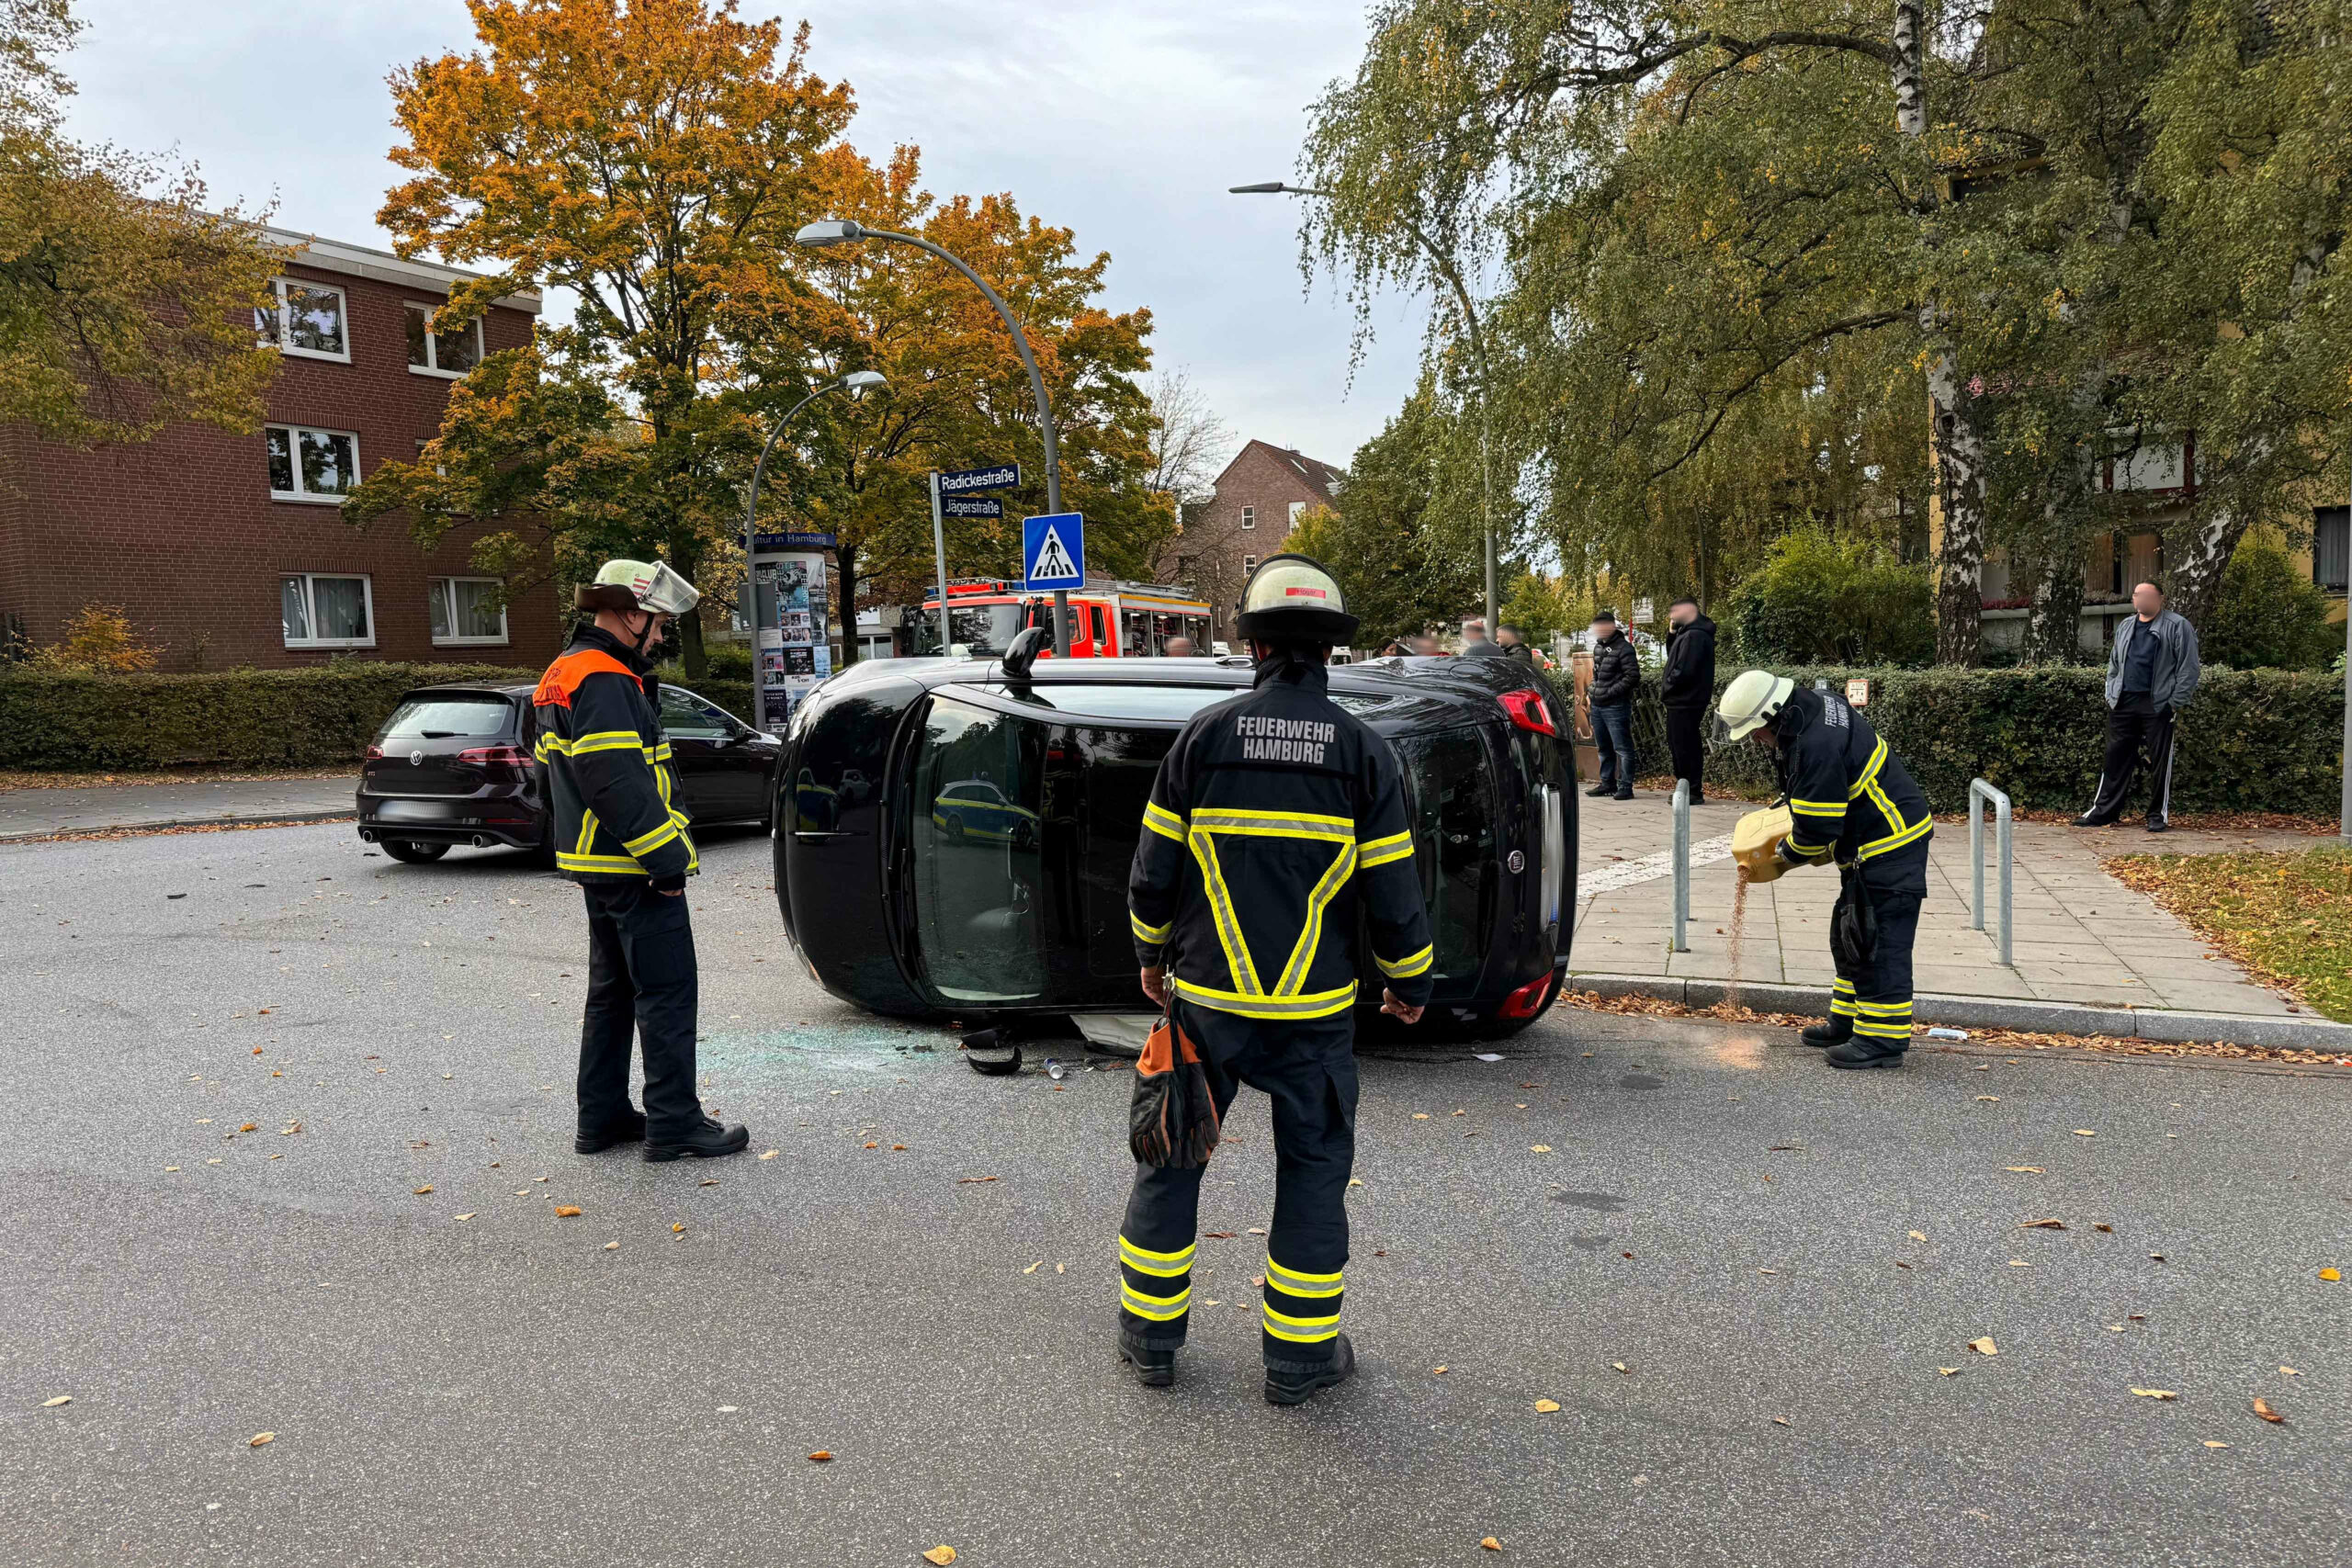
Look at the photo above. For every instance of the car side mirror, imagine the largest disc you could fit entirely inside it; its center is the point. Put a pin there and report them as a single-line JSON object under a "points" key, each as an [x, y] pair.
{"points": [[1024, 653]]}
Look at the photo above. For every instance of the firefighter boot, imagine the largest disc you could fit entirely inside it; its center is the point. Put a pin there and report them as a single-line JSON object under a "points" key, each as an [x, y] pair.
{"points": [[707, 1141], [1294, 1388], [1836, 1030], [1154, 1368], [627, 1128], [1862, 1052]]}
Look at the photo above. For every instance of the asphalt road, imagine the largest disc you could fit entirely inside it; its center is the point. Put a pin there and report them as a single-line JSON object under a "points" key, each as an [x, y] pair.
{"points": [[1714, 1210]]}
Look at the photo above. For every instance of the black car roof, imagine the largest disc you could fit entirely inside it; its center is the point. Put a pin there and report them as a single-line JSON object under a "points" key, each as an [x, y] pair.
{"points": [[1459, 677], [473, 689]]}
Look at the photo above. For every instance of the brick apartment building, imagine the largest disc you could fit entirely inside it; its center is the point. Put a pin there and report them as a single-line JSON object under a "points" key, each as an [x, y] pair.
{"points": [[1258, 498], [229, 550]]}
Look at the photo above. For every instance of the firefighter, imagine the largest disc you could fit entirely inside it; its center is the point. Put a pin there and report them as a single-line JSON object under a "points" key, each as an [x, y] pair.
{"points": [[617, 835], [1274, 816], [1850, 800]]}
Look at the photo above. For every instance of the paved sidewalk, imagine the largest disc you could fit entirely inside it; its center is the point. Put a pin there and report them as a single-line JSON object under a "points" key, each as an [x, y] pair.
{"points": [[2082, 937], [34, 812]]}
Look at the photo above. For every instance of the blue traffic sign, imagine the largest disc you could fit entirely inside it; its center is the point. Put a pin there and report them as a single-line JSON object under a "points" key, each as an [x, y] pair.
{"points": [[971, 506], [1003, 476], [1053, 551]]}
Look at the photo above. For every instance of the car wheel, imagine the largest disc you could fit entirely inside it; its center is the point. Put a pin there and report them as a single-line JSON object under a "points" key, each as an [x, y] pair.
{"points": [[414, 852], [1024, 836], [953, 827]]}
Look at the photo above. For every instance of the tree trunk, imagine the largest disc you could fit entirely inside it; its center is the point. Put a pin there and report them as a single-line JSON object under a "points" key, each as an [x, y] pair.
{"points": [[2053, 636], [845, 572], [690, 650], [1960, 488], [2203, 557]]}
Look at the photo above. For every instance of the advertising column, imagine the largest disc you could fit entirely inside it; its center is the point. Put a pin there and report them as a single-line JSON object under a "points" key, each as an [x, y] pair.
{"points": [[790, 644]]}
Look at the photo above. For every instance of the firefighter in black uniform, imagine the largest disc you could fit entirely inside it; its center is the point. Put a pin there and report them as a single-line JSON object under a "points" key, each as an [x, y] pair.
{"points": [[1850, 800], [618, 836], [1273, 816]]}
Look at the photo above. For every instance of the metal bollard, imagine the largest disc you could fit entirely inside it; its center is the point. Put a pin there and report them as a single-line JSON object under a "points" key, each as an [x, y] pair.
{"points": [[1682, 866], [1980, 790]]}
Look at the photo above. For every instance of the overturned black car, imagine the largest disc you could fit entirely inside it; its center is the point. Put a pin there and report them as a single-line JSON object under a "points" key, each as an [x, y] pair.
{"points": [[950, 841]]}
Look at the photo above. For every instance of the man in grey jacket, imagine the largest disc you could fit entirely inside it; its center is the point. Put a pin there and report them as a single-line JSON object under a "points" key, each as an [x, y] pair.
{"points": [[2151, 675]]}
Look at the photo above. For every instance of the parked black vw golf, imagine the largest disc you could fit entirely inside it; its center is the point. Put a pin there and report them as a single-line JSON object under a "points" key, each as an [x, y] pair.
{"points": [[954, 842], [453, 765]]}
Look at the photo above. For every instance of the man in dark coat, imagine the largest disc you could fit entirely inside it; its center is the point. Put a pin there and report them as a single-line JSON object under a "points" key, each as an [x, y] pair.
{"points": [[1689, 687], [2151, 672], [1616, 676]]}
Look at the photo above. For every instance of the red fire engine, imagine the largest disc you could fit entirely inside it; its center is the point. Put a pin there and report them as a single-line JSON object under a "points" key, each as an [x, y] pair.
{"points": [[1108, 619]]}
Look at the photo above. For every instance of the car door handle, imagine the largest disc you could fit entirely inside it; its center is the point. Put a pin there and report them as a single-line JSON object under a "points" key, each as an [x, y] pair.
{"points": [[819, 835]]}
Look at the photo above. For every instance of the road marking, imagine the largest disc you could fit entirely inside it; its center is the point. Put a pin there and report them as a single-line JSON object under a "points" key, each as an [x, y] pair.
{"points": [[1649, 868]]}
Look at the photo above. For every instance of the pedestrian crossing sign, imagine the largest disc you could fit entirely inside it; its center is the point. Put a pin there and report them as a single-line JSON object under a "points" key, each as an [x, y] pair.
{"points": [[1053, 551]]}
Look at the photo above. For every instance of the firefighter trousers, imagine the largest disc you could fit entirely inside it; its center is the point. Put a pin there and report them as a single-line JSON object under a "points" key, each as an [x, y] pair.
{"points": [[1308, 1069], [1874, 990], [642, 981]]}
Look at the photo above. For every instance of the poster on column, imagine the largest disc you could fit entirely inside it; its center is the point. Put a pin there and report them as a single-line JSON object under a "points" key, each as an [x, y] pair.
{"points": [[791, 644]]}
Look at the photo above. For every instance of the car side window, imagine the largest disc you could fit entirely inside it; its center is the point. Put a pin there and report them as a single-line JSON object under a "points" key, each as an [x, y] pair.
{"points": [[683, 715]]}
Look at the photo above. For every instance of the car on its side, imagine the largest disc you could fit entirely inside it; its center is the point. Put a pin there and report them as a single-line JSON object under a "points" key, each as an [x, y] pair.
{"points": [[956, 843], [453, 765]]}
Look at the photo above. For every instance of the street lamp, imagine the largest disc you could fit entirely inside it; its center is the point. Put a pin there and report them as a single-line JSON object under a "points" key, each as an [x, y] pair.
{"points": [[845, 231], [1477, 353], [857, 383]]}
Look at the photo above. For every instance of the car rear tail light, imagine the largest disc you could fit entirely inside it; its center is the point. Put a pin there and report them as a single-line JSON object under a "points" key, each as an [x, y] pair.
{"points": [[1529, 711], [510, 756], [1529, 998], [375, 753]]}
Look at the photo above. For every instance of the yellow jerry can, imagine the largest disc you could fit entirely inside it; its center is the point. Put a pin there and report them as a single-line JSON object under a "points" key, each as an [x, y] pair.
{"points": [[1756, 842]]}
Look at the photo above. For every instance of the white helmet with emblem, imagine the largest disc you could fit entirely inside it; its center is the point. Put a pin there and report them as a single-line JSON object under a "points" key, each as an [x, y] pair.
{"points": [[1291, 598], [1751, 700], [628, 585]]}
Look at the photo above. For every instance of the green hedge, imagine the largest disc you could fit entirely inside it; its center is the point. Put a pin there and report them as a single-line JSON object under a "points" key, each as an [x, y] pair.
{"points": [[2253, 741], [242, 717]]}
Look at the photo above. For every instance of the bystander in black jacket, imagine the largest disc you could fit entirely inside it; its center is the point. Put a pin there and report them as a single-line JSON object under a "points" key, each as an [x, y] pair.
{"points": [[1616, 671], [1690, 686]]}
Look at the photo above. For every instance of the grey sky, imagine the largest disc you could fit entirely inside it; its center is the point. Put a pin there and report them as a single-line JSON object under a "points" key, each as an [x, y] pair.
{"points": [[1126, 121]]}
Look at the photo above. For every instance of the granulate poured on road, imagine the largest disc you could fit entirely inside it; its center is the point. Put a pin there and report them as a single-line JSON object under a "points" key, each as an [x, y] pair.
{"points": [[1738, 926]]}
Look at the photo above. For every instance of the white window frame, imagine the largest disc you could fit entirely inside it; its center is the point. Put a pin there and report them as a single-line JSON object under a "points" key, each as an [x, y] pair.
{"points": [[432, 346], [1249, 565], [294, 448], [1249, 517], [1298, 510], [283, 343], [441, 585], [310, 608]]}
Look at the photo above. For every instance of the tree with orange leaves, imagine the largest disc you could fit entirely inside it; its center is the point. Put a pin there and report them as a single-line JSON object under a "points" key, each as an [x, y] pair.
{"points": [[960, 398], [652, 158]]}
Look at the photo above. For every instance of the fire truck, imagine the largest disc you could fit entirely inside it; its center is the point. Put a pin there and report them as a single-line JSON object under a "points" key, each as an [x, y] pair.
{"points": [[1108, 618]]}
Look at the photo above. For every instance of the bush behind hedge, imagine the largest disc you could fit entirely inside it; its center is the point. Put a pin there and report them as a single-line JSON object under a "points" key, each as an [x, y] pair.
{"points": [[2252, 740], [275, 718]]}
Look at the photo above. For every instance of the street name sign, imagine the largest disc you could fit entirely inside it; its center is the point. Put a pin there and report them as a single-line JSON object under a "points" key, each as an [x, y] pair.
{"points": [[971, 506], [1053, 551], [963, 481]]}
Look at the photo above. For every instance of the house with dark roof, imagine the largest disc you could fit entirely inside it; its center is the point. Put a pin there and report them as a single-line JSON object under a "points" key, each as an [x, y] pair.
{"points": [[1258, 498]]}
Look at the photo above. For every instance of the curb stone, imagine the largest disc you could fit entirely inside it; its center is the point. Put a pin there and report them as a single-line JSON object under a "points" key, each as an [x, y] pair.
{"points": [[275, 819], [1999, 1012]]}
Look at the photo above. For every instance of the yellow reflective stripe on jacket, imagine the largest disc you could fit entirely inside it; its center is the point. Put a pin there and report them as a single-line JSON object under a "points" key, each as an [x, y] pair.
{"points": [[1816, 852], [1296, 1282], [623, 866], [1159, 1309], [1380, 852], [1407, 967], [652, 839], [1317, 1004], [1915, 833], [1869, 771], [608, 740], [1167, 1265], [1161, 821], [1302, 952], [1148, 933], [1274, 824], [1817, 808], [1228, 921]]}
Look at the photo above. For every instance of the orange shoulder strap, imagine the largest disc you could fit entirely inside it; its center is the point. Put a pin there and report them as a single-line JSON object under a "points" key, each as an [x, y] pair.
{"points": [[563, 677]]}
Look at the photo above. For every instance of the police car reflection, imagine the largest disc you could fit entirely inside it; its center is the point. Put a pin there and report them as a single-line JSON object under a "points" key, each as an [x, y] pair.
{"points": [[953, 844]]}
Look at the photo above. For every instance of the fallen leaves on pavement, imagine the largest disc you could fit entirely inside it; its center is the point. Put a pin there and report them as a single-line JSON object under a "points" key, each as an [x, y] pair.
{"points": [[1985, 1346], [823, 1456], [261, 1439], [2286, 916], [2043, 1226], [2156, 1392], [2262, 1408], [1491, 1544], [53, 1403], [941, 1554], [566, 1211], [1545, 1407]]}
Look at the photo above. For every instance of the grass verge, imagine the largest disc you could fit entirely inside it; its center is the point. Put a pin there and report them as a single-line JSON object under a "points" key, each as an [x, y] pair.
{"points": [[2286, 915]]}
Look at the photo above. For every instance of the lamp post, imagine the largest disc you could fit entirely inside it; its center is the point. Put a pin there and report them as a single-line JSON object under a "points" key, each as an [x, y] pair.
{"points": [[857, 383], [843, 231], [1452, 275]]}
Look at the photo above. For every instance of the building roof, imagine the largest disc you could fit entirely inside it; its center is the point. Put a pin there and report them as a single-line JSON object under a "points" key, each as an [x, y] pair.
{"points": [[364, 261], [1318, 476]]}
